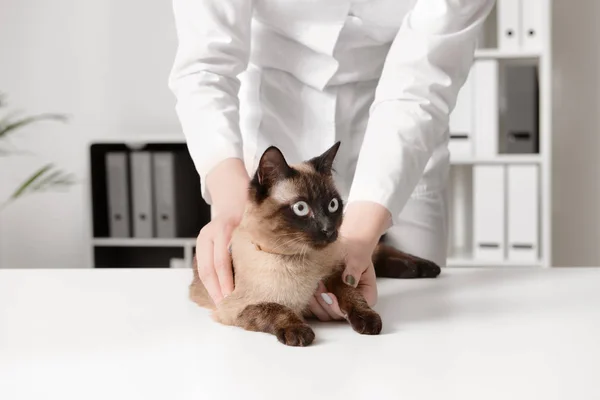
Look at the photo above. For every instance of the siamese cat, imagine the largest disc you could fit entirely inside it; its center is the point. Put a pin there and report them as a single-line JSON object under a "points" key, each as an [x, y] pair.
{"points": [[286, 243]]}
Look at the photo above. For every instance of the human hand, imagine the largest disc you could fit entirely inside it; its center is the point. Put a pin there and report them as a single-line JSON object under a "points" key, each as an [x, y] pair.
{"points": [[212, 256], [363, 225], [324, 304], [228, 186]]}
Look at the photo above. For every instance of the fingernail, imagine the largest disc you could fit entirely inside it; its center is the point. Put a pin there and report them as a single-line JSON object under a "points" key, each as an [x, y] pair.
{"points": [[326, 298], [229, 249], [350, 280]]}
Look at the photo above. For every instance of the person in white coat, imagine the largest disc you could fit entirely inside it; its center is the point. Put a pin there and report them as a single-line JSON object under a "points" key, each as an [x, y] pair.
{"points": [[381, 76]]}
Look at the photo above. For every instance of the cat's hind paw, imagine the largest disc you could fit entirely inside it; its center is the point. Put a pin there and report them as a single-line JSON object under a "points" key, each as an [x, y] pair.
{"points": [[410, 268]]}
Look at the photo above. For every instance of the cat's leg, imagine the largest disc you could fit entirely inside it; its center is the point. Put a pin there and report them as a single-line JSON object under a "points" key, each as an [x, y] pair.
{"points": [[392, 263], [277, 320], [416, 245], [353, 305]]}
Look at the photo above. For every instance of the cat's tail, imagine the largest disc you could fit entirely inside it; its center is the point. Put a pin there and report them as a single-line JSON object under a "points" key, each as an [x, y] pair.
{"points": [[392, 263]]}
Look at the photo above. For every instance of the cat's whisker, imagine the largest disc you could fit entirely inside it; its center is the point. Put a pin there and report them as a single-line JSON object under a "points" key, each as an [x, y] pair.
{"points": [[301, 252], [280, 235], [304, 252], [294, 235], [287, 243]]}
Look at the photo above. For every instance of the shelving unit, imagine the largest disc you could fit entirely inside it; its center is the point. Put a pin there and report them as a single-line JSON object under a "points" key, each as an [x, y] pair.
{"points": [[140, 242], [482, 54], [541, 58], [147, 252], [188, 245], [469, 262], [500, 159]]}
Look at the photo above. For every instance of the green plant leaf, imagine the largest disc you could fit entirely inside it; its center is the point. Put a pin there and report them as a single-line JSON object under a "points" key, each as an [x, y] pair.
{"points": [[45, 178], [11, 126], [53, 178], [30, 181]]}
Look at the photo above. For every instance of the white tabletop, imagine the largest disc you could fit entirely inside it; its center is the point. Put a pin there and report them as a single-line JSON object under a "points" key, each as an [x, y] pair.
{"points": [[133, 334]]}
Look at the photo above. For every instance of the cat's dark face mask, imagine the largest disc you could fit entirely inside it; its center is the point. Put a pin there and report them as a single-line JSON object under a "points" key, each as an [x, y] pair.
{"points": [[300, 202]]}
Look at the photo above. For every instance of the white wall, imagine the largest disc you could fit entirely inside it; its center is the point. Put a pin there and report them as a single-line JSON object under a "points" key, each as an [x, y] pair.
{"points": [[576, 150], [103, 62]]}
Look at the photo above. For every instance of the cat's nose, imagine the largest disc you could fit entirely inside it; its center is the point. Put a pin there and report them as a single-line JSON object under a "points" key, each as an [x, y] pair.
{"points": [[330, 234]]}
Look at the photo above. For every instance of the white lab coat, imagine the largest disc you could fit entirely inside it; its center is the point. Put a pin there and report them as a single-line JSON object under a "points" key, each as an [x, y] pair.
{"points": [[382, 76]]}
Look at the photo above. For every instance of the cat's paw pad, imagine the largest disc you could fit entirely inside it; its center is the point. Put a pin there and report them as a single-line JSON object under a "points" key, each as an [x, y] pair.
{"points": [[365, 322], [296, 335]]}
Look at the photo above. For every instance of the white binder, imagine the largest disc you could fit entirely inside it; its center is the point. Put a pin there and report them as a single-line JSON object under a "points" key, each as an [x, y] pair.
{"points": [[532, 21], [164, 194], [523, 213], [489, 212], [486, 108], [461, 215], [117, 184], [461, 122], [141, 193], [509, 24]]}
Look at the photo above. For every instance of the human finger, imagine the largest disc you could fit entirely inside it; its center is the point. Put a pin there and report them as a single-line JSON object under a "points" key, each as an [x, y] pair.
{"points": [[206, 269], [317, 309], [222, 261]]}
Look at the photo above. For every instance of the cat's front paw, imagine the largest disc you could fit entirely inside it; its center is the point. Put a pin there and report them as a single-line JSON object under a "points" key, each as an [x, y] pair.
{"points": [[296, 335], [365, 322]]}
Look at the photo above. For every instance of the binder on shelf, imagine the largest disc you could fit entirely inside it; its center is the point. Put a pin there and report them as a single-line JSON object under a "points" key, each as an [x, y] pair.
{"points": [[461, 215], [141, 194], [486, 107], [489, 212], [509, 24], [179, 210], [117, 184], [461, 122], [532, 12], [520, 126], [523, 213]]}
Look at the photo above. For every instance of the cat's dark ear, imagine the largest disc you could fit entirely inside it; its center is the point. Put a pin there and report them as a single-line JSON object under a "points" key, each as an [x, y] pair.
{"points": [[272, 167], [323, 164]]}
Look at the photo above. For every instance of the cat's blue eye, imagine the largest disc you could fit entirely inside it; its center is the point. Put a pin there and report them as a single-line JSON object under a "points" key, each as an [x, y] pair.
{"points": [[333, 205], [301, 208]]}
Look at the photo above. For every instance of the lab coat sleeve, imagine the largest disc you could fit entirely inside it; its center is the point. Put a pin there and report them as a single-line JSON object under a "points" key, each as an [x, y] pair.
{"points": [[427, 64], [214, 47]]}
